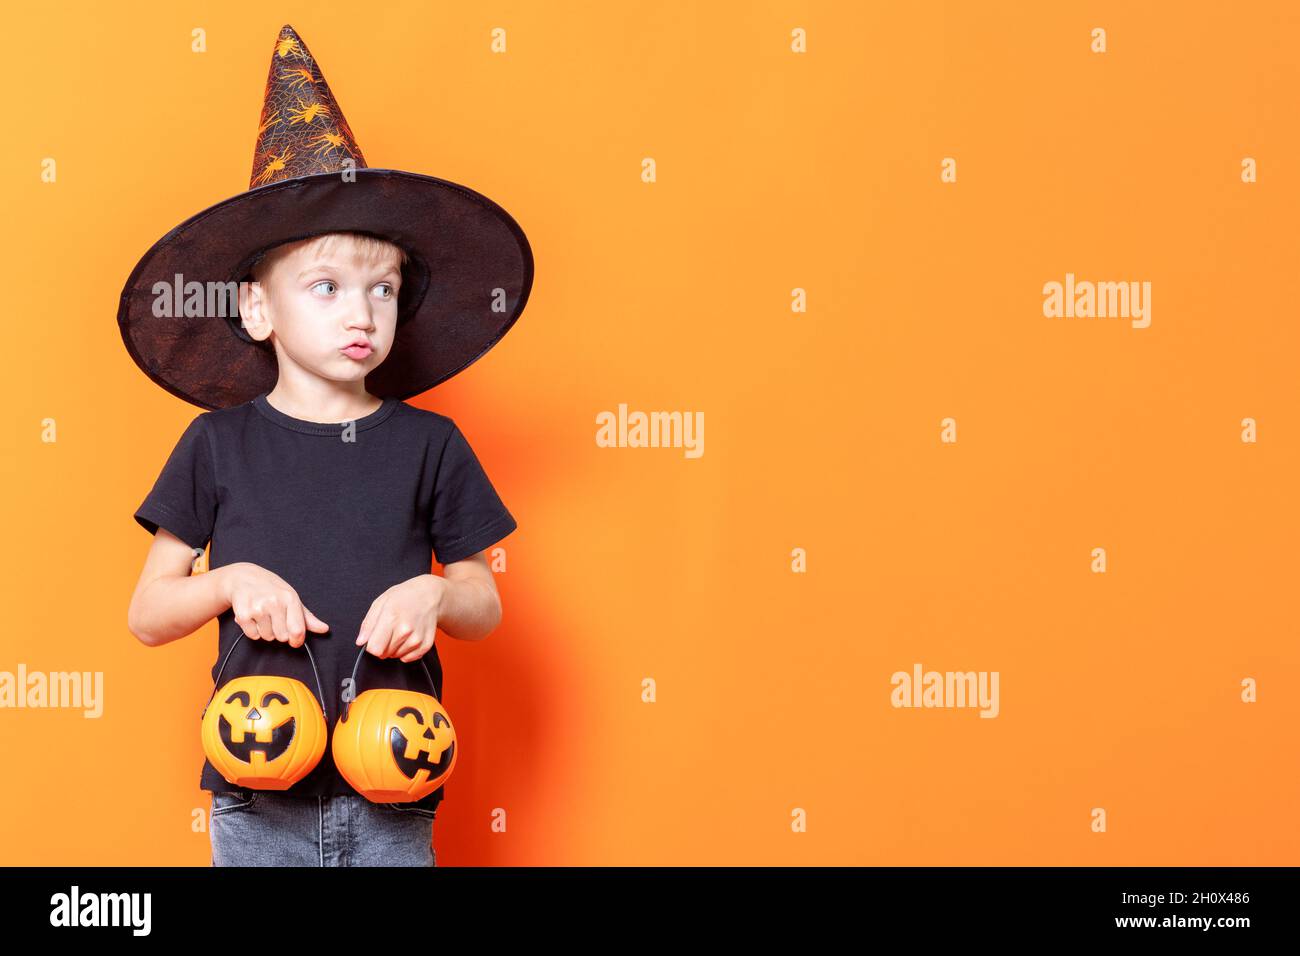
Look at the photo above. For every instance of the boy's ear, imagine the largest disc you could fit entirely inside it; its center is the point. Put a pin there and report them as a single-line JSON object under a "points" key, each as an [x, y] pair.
{"points": [[252, 311]]}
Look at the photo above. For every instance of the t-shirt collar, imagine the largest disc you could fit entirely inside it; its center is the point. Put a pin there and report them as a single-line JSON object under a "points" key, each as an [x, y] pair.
{"points": [[271, 413]]}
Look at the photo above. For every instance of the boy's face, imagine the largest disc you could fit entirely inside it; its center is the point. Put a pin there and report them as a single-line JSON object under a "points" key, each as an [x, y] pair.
{"points": [[319, 301]]}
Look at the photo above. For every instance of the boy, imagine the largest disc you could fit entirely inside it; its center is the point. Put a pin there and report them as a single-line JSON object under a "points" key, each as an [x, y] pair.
{"points": [[325, 497]]}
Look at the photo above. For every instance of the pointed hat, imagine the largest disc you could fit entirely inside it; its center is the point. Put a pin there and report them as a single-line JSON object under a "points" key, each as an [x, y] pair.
{"points": [[467, 278]]}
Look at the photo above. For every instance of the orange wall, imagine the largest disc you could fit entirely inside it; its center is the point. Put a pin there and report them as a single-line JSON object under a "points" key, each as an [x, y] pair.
{"points": [[776, 171]]}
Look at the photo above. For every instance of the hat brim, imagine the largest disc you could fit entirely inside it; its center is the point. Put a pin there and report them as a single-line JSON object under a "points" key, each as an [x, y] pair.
{"points": [[470, 272]]}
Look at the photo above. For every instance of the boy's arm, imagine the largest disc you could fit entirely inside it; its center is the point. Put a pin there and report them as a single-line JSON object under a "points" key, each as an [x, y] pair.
{"points": [[471, 606], [168, 602]]}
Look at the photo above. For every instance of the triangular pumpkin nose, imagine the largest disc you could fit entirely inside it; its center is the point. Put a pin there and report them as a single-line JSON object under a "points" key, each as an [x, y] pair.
{"points": [[303, 131]]}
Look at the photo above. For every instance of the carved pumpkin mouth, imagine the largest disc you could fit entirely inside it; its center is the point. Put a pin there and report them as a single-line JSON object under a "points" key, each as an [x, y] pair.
{"points": [[281, 737], [411, 765]]}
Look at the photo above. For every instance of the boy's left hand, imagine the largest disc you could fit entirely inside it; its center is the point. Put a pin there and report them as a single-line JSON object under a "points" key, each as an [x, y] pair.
{"points": [[403, 621]]}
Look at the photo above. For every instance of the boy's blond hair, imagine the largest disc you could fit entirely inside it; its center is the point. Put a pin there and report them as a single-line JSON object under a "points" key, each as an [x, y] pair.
{"points": [[370, 248]]}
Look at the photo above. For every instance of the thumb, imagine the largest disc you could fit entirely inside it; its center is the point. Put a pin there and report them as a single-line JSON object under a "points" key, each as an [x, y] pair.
{"points": [[314, 623]]}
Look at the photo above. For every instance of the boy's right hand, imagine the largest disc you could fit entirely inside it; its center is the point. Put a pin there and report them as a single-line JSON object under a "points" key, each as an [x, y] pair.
{"points": [[265, 606]]}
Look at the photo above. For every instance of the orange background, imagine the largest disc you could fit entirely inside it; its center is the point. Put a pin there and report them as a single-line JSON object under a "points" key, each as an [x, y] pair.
{"points": [[776, 171]]}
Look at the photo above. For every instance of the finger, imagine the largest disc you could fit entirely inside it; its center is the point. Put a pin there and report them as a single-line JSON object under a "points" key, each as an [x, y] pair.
{"points": [[421, 649], [250, 628], [245, 621], [263, 620], [280, 621], [377, 642], [376, 608], [314, 624], [403, 631], [405, 645], [295, 624]]}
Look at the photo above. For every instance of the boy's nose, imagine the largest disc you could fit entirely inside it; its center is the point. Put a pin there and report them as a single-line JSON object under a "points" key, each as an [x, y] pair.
{"points": [[361, 317]]}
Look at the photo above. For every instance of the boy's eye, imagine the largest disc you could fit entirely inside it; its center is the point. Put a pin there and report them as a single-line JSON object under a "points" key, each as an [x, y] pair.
{"points": [[386, 290], [326, 282]]}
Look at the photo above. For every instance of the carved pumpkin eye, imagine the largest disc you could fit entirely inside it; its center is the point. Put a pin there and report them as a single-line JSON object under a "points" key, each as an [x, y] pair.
{"points": [[274, 696], [241, 696], [411, 712]]}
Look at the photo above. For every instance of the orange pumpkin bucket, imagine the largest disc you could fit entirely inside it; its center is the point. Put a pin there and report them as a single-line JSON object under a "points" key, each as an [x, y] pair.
{"points": [[394, 745], [266, 732]]}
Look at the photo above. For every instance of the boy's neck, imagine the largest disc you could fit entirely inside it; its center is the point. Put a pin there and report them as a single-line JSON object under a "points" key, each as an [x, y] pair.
{"points": [[331, 407]]}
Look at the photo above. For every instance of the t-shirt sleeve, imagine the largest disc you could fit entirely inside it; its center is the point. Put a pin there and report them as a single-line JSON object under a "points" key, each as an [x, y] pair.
{"points": [[184, 498], [467, 512]]}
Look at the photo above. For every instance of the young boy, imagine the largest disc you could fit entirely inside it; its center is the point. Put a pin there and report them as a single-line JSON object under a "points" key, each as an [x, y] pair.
{"points": [[316, 492], [325, 497]]}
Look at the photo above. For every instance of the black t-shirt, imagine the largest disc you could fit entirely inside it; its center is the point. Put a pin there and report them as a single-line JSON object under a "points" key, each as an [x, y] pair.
{"points": [[341, 512]]}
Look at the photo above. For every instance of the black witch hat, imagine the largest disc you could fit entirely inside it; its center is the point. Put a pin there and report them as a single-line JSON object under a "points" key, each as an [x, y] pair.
{"points": [[467, 277]]}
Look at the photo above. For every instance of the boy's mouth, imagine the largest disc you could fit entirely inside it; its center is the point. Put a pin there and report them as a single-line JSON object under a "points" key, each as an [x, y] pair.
{"points": [[271, 750], [357, 351]]}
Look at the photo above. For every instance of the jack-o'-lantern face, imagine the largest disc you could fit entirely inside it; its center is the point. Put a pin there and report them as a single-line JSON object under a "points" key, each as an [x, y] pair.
{"points": [[271, 719], [394, 745], [422, 741], [264, 732]]}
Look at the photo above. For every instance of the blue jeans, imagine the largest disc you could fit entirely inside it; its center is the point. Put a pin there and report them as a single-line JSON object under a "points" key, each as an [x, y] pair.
{"points": [[271, 828]]}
